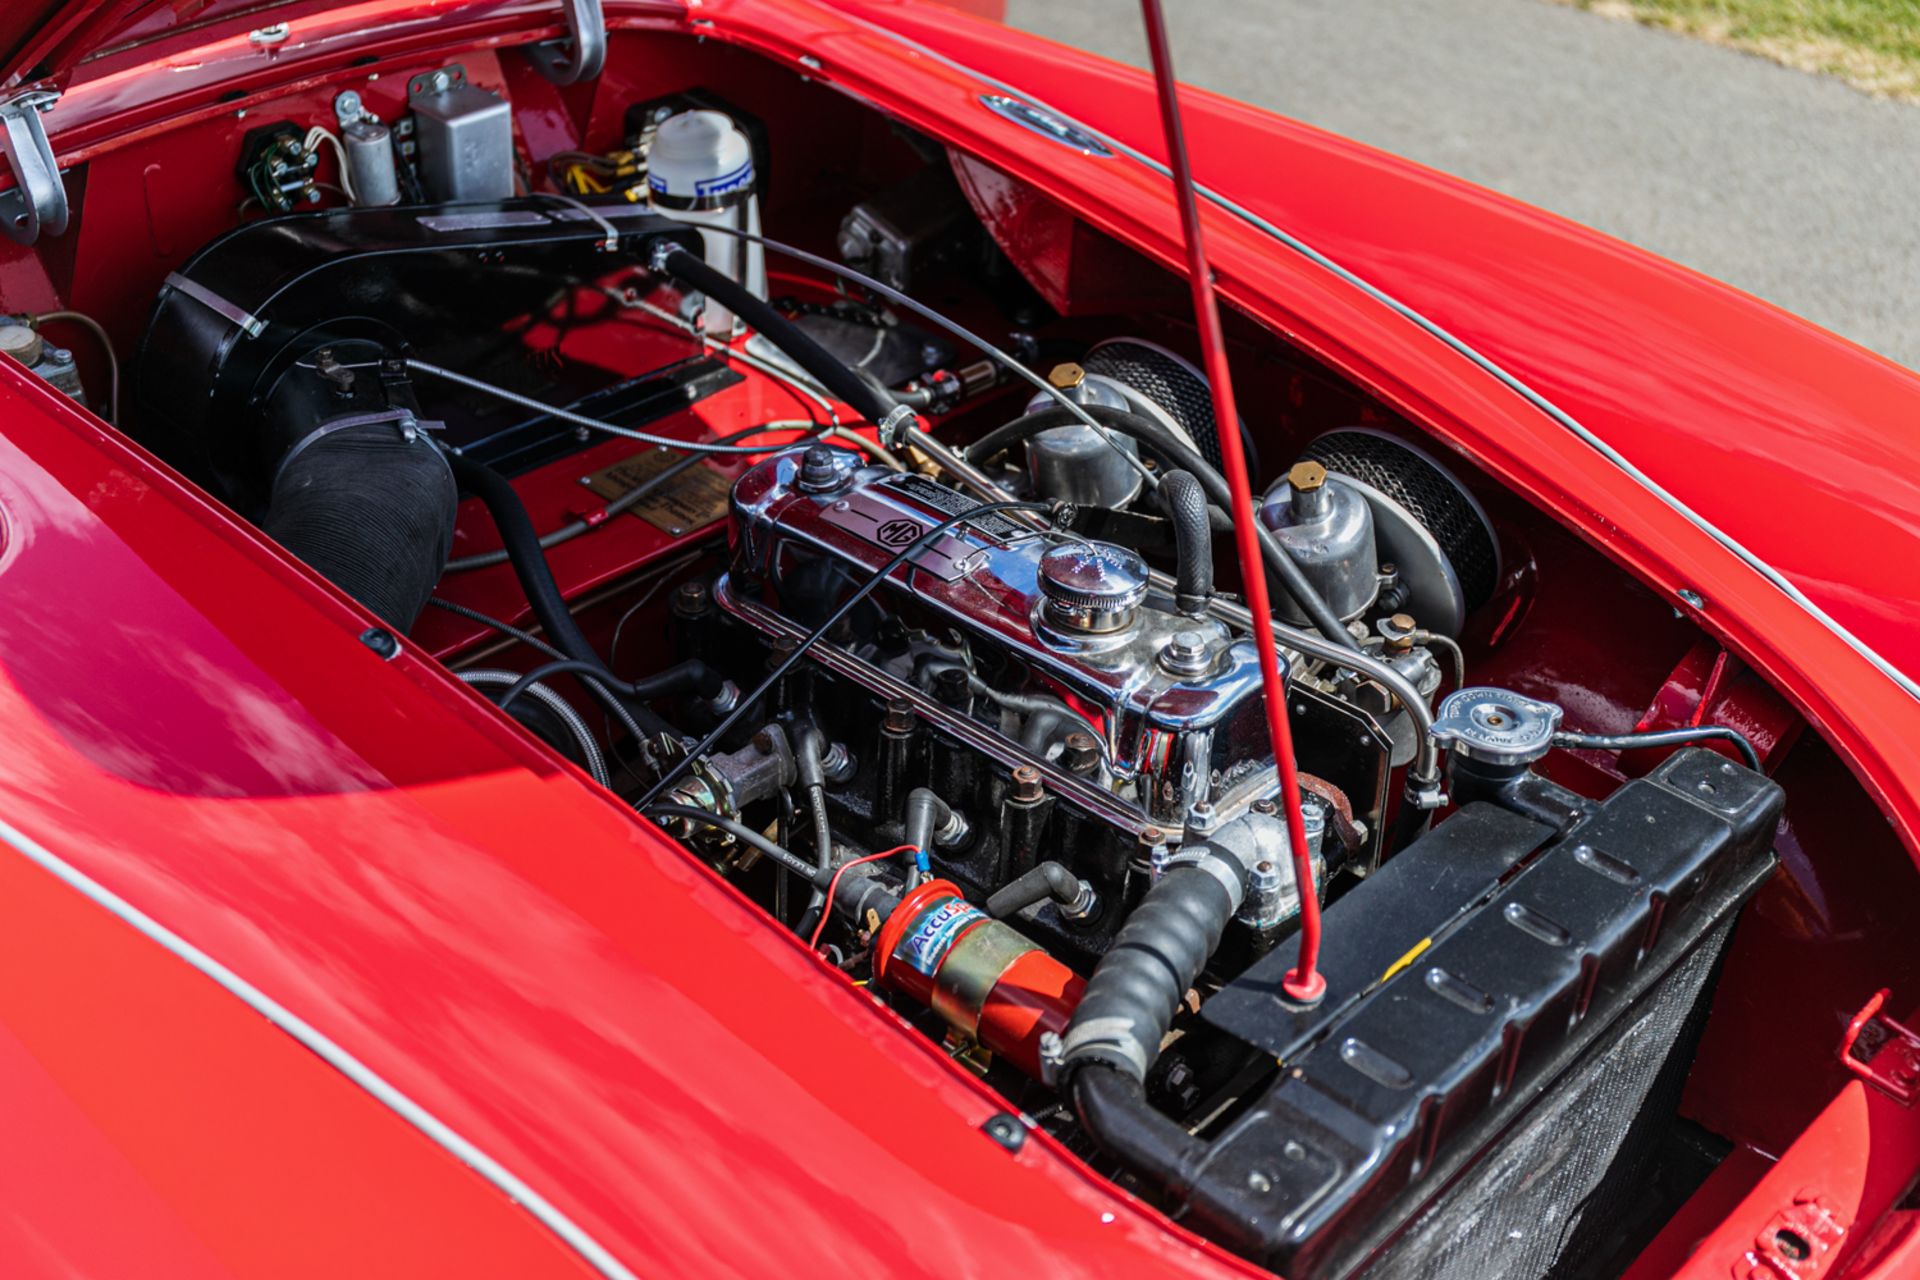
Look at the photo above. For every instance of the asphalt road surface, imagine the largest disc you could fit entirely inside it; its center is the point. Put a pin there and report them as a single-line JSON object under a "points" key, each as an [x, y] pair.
{"points": [[1790, 186]]}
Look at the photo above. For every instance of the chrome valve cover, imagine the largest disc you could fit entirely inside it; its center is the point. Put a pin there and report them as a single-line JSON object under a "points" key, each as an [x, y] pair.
{"points": [[1178, 700]]}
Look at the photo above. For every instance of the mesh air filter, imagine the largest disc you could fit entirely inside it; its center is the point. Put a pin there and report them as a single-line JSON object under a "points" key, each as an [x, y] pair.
{"points": [[1173, 385]]}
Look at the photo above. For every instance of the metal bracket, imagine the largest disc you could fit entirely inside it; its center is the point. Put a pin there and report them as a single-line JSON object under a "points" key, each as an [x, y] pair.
{"points": [[1883, 1053], [38, 201], [581, 55]]}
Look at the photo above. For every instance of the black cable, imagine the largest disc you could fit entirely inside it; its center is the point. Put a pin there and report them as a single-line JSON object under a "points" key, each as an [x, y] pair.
{"points": [[1152, 435], [595, 683], [746, 835], [574, 528], [691, 676], [1661, 738], [504, 628], [846, 606]]}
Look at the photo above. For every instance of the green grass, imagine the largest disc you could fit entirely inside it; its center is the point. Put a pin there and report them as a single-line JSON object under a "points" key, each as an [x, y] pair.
{"points": [[1873, 45]]}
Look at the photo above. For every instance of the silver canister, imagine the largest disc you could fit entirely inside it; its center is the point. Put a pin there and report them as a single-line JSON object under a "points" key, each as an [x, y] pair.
{"points": [[1327, 528], [1075, 463], [370, 163]]}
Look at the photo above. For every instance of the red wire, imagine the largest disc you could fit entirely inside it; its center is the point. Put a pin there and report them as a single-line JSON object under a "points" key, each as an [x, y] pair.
{"points": [[1303, 982], [813, 943]]}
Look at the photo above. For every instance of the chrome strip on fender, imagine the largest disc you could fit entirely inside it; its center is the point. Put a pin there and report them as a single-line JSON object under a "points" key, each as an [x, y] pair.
{"points": [[1457, 345], [591, 1251]]}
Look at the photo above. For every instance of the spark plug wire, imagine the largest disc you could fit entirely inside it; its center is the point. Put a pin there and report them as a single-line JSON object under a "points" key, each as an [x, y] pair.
{"points": [[1303, 982]]}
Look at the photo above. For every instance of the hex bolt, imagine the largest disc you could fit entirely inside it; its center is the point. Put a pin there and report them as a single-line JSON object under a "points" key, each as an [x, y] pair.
{"points": [[690, 599], [899, 717], [1026, 784], [1082, 755]]}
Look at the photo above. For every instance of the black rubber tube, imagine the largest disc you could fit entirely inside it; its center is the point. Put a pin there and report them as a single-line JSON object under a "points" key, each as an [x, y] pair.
{"points": [[1121, 1020], [1662, 738], [372, 512], [1185, 502], [927, 813], [827, 369], [530, 566], [1113, 1110], [1280, 566], [691, 676], [1047, 880], [1137, 986]]}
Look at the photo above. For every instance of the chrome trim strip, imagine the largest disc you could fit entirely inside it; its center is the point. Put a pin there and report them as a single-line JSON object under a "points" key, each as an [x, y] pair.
{"points": [[1460, 347], [591, 1251]]}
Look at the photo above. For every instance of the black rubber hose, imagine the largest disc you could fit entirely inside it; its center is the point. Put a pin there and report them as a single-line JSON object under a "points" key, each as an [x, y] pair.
{"points": [[809, 748], [1137, 986], [1113, 1109], [1047, 880], [530, 566], [1662, 738], [1185, 502], [1280, 566], [691, 676], [926, 815], [827, 369], [522, 544]]}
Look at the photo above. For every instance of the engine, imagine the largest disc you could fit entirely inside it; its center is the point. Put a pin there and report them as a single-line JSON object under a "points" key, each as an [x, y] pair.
{"points": [[962, 696]]}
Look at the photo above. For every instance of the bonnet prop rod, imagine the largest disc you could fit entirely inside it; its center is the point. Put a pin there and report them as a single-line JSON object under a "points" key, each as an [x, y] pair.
{"points": [[1303, 982]]}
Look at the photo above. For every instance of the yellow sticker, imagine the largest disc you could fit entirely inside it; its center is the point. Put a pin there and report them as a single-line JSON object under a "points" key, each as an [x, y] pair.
{"points": [[1406, 959]]}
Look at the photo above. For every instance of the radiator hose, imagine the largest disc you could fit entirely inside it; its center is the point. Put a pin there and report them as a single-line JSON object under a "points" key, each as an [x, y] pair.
{"points": [[1128, 1007]]}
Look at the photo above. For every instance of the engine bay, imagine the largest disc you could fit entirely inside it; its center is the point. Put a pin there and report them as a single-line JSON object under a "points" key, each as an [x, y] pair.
{"points": [[858, 517]]}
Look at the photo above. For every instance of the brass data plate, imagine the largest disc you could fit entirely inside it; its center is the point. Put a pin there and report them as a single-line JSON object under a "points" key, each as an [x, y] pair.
{"points": [[695, 497]]}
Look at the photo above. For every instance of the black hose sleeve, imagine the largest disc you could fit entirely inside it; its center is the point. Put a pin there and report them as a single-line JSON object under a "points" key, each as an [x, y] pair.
{"points": [[926, 815], [827, 369], [529, 560], [530, 566], [1662, 738], [1186, 505], [1114, 1112], [1137, 986], [1151, 435], [1047, 880], [372, 512]]}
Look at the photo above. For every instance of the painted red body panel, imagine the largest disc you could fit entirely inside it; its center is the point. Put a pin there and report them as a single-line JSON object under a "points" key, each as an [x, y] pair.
{"points": [[566, 987]]}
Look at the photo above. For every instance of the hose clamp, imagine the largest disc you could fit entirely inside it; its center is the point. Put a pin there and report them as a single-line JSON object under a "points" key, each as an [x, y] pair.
{"points": [[404, 423], [900, 417]]}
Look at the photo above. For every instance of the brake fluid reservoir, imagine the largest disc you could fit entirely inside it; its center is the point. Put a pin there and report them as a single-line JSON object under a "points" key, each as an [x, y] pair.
{"points": [[700, 170]]}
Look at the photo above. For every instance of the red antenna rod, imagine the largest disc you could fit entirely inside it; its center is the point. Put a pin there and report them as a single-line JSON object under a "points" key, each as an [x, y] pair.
{"points": [[1303, 982]]}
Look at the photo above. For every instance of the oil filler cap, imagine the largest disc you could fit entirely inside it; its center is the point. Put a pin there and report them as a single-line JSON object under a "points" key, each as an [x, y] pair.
{"points": [[1496, 726], [1092, 587]]}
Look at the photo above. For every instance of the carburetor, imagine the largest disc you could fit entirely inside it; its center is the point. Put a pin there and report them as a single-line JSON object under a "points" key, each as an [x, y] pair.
{"points": [[1028, 625]]}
